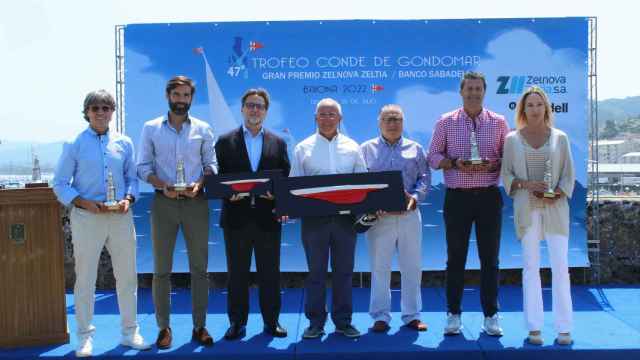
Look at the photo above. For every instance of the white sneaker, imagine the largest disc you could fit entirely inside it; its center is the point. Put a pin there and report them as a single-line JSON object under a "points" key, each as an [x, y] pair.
{"points": [[491, 326], [454, 324], [535, 339], [85, 347], [135, 341], [564, 339]]}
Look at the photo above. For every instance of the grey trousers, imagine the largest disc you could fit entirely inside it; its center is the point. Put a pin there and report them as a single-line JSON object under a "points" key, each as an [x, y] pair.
{"points": [[167, 215], [321, 237]]}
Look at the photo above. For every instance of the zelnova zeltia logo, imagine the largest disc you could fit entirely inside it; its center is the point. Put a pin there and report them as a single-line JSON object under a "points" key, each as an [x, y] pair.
{"points": [[510, 84], [516, 84]]}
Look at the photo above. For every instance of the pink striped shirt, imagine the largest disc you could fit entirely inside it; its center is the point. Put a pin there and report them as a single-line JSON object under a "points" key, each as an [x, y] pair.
{"points": [[451, 140]]}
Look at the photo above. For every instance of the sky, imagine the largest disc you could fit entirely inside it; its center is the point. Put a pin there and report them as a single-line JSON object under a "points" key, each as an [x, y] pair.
{"points": [[54, 52]]}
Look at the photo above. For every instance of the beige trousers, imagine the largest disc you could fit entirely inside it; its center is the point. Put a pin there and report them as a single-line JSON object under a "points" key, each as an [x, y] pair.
{"points": [[90, 233]]}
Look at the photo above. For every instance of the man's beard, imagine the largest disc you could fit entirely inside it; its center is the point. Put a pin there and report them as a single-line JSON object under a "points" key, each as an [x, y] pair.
{"points": [[179, 108], [254, 120]]}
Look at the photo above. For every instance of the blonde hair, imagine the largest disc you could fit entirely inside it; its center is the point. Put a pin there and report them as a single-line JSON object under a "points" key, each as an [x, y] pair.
{"points": [[521, 117]]}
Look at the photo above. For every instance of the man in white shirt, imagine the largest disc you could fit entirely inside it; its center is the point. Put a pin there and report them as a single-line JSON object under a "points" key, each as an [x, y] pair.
{"points": [[323, 153]]}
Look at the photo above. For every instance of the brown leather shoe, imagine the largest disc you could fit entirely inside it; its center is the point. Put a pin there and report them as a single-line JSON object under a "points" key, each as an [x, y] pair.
{"points": [[380, 326], [164, 338], [201, 336], [417, 325]]}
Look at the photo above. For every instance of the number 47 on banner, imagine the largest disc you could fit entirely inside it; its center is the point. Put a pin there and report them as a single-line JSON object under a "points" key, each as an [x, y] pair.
{"points": [[234, 71]]}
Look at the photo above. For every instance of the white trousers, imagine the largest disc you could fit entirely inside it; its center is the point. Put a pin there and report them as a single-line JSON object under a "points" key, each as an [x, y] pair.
{"points": [[404, 234], [90, 233], [560, 283]]}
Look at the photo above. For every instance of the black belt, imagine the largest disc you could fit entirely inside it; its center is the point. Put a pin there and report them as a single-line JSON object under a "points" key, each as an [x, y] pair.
{"points": [[474, 190]]}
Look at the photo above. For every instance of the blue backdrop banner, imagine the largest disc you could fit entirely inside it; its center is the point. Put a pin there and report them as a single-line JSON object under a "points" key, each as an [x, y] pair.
{"points": [[363, 64]]}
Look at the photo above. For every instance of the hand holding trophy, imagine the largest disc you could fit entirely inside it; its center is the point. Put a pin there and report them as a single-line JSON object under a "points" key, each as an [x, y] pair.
{"points": [[549, 192], [181, 183], [475, 152], [111, 204]]}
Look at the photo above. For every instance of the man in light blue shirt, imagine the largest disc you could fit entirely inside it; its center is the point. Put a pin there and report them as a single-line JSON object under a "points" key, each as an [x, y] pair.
{"points": [[81, 180], [253, 143], [165, 142], [401, 230]]}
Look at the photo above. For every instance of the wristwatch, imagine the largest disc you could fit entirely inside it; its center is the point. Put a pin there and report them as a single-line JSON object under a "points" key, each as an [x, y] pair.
{"points": [[454, 163]]}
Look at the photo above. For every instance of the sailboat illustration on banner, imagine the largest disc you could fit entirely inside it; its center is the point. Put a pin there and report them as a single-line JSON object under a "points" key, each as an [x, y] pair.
{"points": [[222, 119]]}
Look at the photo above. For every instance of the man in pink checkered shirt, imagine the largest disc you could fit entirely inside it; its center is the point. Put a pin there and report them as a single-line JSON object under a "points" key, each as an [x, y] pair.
{"points": [[472, 197]]}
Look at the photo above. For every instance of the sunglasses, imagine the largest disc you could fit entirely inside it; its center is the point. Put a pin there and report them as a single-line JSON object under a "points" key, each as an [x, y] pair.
{"points": [[257, 106], [328, 115], [391, 119], [96, 108]]}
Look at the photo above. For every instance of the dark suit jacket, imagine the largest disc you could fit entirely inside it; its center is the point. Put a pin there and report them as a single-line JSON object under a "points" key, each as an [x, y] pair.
{"points": [[232, 156]]}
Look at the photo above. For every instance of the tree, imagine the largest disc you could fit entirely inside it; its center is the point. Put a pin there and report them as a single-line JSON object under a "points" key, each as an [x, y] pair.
{"points": [[630, 125], [610, 130]]}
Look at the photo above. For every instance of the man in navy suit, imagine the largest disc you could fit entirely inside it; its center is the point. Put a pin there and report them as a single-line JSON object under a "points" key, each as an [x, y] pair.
{"points": [[249, 223]]}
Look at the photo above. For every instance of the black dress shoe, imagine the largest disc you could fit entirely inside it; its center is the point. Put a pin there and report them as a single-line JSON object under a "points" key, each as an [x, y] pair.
{"points": [[235, 331], [275, 330]]}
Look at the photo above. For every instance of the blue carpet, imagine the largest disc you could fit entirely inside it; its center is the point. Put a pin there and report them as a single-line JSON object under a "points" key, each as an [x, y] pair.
{"points": [[607, 326]]}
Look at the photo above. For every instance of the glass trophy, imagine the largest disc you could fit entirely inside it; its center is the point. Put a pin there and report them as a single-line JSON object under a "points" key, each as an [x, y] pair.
{"points": [[181, 184], [475, 152], [36, 175], [111, 204], [549, 192]]}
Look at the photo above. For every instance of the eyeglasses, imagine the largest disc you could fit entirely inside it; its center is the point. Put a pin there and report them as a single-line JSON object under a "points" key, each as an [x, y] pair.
{"points": [[96, 108], [256, 106], [328, 114], [392, 119]]}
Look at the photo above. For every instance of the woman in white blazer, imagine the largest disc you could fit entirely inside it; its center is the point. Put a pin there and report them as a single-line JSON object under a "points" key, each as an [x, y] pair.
{"points": [[537, 158]]}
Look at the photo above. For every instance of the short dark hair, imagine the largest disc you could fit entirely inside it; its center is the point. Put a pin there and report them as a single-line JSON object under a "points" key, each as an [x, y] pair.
{"points": [[180, 80], [97, 97], [475, 76], [260, 92]]}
